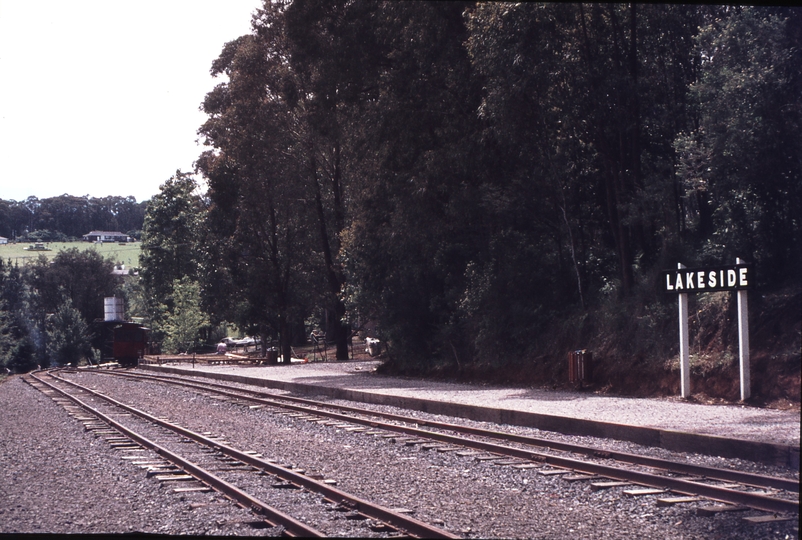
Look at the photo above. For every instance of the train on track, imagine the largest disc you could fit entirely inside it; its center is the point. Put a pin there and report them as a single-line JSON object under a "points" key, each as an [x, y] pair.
{"points": [[118, 339], [123, 342]]}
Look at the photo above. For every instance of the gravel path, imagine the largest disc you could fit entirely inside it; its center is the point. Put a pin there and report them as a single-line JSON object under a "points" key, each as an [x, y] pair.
{"points": [[52, 468], [672, 413]]}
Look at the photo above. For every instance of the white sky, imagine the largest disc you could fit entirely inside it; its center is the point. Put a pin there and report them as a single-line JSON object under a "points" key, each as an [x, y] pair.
{"points": [[101, 97]]}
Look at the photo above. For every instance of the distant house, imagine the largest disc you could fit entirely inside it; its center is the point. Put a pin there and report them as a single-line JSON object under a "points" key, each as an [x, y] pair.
{"points": [[107, 236], [3, 240]]}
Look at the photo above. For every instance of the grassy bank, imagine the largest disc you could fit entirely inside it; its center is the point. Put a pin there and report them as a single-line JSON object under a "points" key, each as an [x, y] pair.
{"points": [[127, 254]]}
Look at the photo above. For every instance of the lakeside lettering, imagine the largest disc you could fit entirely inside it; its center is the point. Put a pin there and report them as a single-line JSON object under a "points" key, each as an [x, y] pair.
{"points": [[707, 279]]}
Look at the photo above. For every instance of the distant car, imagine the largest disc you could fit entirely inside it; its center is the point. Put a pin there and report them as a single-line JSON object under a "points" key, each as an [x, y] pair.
{"points": [[241, 342]]}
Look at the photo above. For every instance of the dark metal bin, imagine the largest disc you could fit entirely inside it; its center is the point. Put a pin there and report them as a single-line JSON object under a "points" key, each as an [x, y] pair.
{"points": [[580, 366]]}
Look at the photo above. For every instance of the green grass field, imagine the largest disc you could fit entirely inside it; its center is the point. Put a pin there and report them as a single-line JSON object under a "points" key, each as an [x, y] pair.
{"points": [[127, 254]]}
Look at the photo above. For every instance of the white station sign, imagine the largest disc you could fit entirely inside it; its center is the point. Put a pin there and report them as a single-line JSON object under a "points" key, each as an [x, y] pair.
{"points": [[710, 279], [682, 281]]}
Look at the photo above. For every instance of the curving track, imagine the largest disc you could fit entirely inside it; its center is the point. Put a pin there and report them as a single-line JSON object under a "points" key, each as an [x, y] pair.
{"points": [[471, 487], [373, 518], [731, 488]]}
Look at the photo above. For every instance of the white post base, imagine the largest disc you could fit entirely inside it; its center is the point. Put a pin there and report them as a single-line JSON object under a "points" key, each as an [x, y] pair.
{"points": [[684, 345]]}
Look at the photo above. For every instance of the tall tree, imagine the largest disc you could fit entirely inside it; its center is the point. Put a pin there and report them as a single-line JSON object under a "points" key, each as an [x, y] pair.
{"points": [[259, 206], [184, 321], [336, 57], [412, 227], [741, 165], [69, 340], [171, 237]]}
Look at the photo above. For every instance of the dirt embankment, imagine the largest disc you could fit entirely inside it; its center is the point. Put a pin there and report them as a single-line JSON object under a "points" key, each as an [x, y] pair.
{"points": [[775, 329], [636, 351]]}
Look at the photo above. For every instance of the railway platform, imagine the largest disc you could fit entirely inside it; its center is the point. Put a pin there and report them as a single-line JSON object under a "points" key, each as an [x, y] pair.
{"points": [[732, 431]]}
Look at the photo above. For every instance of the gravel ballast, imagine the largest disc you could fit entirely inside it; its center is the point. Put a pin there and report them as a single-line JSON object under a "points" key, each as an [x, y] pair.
{"points": [[52, 468], [58, 478], [669, 413]]}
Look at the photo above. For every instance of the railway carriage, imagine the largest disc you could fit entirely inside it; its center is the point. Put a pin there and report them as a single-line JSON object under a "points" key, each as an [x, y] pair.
{"points": [[124, 342], [130, 343]]}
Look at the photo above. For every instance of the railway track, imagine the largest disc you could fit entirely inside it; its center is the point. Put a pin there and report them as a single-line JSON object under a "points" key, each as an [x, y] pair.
{"points": [[673, 481], [200, 454]]}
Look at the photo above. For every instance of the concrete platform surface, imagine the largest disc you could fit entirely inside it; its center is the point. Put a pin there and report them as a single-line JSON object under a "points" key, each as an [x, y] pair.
{"points": [[758, 434]]}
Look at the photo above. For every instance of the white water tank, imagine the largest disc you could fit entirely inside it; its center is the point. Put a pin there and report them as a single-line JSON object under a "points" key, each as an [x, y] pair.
{"points": [[113, 309]]}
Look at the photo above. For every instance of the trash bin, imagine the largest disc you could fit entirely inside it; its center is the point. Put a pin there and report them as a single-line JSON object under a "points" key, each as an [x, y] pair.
{"points": [[272, 355], [580, 366]]}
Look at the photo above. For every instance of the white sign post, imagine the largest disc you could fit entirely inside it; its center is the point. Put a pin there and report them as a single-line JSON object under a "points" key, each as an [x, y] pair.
{"points": [[743, 341], [684, 345], [684, 280]]}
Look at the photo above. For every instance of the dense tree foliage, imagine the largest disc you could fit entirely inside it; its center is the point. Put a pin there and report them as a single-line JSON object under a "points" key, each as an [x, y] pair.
{"points": [[184, 321], [83, 277], [740, 165], [259, 206], [17, 325], [416, 224], [466, 174], [68, 336], [46, 308], [67, 217], [171, 238]]}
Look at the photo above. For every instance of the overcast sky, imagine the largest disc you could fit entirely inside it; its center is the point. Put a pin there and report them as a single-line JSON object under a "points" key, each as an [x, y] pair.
{"points": [[101, 97]]}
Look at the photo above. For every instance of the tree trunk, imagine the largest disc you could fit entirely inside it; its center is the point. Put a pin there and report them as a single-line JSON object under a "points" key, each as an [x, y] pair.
{"points": [[334, 277], [619, 230], [337, 331], [285, 340]]}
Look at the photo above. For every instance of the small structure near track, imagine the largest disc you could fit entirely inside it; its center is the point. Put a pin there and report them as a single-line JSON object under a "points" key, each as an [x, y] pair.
{"points": [[117, 339], [580, 367]]}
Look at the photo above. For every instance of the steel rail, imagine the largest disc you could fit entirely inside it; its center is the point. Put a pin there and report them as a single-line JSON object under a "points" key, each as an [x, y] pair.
{"points": [[711, 473], [753, 500], [275, 517], [409, 524]]}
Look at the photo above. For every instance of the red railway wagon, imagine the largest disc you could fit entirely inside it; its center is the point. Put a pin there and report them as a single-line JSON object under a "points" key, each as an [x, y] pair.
{"points": [[125, 342], [130, 343]]}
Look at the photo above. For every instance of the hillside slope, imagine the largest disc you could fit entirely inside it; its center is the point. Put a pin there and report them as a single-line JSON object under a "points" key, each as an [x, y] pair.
{"points": [[635, 351]]}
